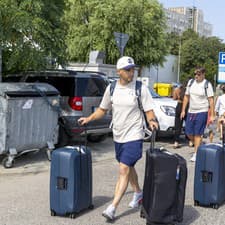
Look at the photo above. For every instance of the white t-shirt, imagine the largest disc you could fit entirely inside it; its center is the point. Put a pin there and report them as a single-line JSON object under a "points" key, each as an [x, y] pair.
{"points": [[127, 118], [198, 101], [220, 105]]}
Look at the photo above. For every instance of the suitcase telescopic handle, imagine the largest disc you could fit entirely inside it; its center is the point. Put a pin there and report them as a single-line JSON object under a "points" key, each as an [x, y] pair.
{"points": [[85, 134], [153, 137]]}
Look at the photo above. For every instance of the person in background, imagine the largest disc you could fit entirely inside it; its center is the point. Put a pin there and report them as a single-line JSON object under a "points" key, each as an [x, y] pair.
{"points": [[127, 127], [210, 129], [178, 95], [220, 108], [200, 100]]}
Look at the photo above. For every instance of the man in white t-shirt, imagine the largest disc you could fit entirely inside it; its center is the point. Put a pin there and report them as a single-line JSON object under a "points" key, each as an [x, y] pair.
{"points": [[127, 127], [200, 98]]}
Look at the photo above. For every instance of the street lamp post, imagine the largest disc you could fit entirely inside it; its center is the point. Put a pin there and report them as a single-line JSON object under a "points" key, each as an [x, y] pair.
{"points": [[0, 64], [157, 78], [178, 63]]}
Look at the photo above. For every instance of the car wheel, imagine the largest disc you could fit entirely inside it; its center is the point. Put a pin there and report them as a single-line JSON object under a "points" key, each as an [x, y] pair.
{"points": [[96, 138]]}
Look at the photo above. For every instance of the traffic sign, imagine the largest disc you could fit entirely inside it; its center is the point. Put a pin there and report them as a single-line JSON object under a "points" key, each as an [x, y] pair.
{"points": [[121, 41], [221, 68]]}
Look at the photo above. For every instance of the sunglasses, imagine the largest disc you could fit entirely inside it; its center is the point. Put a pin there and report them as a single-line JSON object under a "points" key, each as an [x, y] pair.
{"points": [[198, 73]]}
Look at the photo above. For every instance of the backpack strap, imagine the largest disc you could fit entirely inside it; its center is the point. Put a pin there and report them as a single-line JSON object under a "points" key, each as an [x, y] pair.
{"points": [[112, 87], [138, 86], [206, 87], [191, 82]]}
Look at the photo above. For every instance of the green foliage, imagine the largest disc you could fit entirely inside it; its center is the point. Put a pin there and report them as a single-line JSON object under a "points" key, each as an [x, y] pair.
{"points": [[91, 25], [197, 51], [201, 52], [32, 32]]}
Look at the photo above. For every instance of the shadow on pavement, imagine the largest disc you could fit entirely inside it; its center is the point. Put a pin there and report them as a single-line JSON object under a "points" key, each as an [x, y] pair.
{"points": [[128, 212], [190, 215], [99, 201]]}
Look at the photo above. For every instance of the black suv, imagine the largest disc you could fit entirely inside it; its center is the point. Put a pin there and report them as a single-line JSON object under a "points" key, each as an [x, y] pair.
{"points": [[81, 93]]}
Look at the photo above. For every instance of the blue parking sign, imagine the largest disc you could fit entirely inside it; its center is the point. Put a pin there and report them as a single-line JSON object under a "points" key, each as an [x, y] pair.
{"points": [[221, 68], [222, 58]]}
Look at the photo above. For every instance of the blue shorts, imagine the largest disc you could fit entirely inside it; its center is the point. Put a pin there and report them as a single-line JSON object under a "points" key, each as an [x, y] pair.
{"points": [[195, 123], [129, 153]]}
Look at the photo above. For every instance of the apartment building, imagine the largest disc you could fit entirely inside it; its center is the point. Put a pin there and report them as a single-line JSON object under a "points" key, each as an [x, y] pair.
{"points": [[180, 19]]}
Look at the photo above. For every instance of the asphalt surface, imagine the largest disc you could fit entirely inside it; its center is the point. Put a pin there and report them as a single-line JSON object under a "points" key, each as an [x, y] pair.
{"points": [[24, 191]]}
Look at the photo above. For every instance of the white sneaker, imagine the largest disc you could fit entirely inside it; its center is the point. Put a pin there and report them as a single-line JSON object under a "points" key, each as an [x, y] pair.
{"points": [[191, 144], [109, 213], [193, 158], [137, 200]]}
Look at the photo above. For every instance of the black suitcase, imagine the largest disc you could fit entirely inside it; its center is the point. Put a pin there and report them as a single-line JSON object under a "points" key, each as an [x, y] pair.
{"points": [[164, 186]]}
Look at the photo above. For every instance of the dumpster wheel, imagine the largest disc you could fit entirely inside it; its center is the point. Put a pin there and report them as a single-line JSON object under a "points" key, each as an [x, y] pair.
{"points": [[7, 163], [49, 154]]}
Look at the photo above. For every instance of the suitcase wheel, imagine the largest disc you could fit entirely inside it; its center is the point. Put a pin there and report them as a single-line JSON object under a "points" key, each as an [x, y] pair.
{"points": [[142, 215], [53, 213], [91, 207], [72, 215], [215, 206], [196, 203]]}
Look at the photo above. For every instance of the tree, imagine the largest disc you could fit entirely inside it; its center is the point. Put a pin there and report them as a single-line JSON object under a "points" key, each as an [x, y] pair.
{"points": [[202, 51], [196, 51], [31, 32], [91, 24]]}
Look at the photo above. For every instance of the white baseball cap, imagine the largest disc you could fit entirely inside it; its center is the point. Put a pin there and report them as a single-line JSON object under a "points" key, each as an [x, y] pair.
{"points": [[125, 63]]}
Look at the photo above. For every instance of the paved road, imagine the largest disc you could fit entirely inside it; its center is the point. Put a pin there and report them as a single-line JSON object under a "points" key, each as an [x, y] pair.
{"points": [[24, 192]]}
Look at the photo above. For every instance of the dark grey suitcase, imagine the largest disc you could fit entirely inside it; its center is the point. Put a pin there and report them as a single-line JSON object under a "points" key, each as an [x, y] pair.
{"points": [[164, 186]]}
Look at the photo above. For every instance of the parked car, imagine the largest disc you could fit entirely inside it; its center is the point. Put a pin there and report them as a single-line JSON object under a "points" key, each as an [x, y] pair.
{"points": [[81, 93], [165, 112]]}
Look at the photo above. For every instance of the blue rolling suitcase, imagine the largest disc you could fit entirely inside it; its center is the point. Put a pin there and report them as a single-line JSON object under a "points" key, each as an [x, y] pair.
{"points": [[209, 181], [70, 181]]}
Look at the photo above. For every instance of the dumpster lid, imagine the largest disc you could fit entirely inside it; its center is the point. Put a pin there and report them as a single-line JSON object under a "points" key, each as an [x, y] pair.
{"points": [[27, 89]]}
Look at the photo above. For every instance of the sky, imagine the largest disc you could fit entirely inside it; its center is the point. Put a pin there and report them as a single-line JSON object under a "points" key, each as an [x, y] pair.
{"points": [[213, 11]]}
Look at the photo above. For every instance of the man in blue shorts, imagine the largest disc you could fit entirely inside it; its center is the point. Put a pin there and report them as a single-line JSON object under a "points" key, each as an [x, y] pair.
{"points": [[127, 127], [199, 94]]}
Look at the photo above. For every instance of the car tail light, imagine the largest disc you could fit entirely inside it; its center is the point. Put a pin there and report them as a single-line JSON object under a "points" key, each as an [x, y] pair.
{"points": [[76, 103]]}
